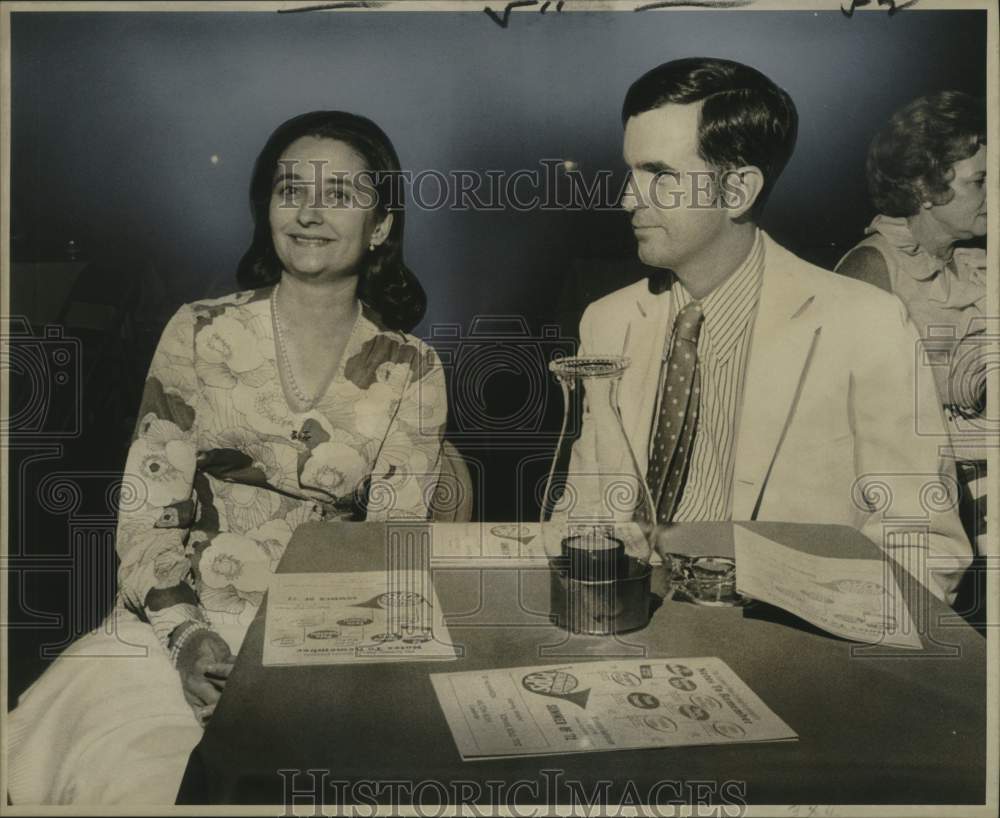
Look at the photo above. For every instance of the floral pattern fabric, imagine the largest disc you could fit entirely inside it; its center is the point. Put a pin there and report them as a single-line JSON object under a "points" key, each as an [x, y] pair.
{"points": [[222, 468]]}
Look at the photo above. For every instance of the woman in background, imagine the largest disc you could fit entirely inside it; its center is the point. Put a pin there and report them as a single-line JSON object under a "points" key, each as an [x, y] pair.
{"points": [[927, 177], [299, 398]]}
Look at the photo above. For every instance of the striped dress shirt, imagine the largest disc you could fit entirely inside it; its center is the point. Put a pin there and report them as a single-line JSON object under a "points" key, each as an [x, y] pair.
{"points": [[723, 348]]}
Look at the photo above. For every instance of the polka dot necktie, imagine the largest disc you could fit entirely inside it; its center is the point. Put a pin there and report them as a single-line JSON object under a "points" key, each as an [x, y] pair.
{"points": [[675, 425]]}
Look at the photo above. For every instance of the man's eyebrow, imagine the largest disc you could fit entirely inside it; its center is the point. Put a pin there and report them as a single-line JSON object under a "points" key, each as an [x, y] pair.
{"points": [[656, 166]]}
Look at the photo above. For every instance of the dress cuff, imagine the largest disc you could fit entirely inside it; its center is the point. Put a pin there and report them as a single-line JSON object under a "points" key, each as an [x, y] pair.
{"points": [[168, 608]]}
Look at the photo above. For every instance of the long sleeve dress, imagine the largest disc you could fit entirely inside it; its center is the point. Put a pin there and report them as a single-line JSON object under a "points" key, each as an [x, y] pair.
{"points": [[222, 469]]}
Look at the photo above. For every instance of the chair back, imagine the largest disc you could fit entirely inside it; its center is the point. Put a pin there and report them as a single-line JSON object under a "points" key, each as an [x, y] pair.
{"points": [[452, 500]]}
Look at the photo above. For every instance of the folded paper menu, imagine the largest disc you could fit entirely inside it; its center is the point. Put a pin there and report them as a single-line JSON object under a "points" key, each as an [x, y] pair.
{"points": [[364, 616], [597, 706], [857, 599], [515, 544]]}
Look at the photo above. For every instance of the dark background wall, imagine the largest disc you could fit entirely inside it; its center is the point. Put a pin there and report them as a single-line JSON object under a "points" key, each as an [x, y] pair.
{"points": [[116, 118]]}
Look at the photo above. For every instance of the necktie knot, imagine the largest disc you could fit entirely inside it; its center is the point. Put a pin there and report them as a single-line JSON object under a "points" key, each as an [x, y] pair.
{"points": [[688, 322]]}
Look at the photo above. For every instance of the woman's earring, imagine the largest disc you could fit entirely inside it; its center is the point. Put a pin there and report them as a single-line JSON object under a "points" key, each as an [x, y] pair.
{"points": [[371, 246]]}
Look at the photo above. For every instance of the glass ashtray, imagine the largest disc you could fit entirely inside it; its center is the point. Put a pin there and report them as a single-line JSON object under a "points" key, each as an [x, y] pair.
{"points": [[703, 580], [589, 366]]}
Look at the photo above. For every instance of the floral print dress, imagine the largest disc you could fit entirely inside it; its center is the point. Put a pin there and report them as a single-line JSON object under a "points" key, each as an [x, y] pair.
{"points": [[223, 466]]}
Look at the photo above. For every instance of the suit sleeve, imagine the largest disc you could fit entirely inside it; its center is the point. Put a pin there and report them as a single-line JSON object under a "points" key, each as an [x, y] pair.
{"points": [[907, 485]]}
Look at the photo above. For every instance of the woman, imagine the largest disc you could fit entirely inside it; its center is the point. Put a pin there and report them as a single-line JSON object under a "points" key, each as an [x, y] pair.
{"points": [[927, 177], [299, 398]]}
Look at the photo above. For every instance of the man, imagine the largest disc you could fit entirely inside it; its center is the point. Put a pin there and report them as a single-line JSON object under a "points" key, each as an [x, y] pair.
{"points": [[760, 387]]}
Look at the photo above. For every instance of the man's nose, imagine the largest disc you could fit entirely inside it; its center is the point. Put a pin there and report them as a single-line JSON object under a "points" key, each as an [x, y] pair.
{"points": [[629, 201]]}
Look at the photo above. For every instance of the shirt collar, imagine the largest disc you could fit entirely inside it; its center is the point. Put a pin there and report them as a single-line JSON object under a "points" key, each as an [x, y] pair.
{"points": [[729, 307], [964, 287], [896, 231]]}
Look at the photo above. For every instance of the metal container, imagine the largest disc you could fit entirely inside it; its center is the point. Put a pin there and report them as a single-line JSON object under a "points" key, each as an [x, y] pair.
{"points": [[597, 589]]}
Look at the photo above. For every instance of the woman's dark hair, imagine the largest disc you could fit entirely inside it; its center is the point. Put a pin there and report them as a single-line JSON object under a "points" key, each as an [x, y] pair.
{"points": [[745, 118], [385, 283], [910, 159]]}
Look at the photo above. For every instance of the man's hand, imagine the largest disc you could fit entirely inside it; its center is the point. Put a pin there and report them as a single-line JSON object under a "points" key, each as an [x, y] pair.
{"points": [[204, 664]]}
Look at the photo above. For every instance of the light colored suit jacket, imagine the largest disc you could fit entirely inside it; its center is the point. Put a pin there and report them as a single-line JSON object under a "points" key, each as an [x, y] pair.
{"points": [[837, 425]]}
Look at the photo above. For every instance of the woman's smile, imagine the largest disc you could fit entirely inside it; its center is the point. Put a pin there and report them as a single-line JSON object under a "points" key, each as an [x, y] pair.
{"points": [[305, 240]]}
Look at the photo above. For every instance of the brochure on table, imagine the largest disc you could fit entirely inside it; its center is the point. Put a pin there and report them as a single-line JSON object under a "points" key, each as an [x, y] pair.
{"points": [[366, 616], [517, 544], [857, 599], [597, 706]]}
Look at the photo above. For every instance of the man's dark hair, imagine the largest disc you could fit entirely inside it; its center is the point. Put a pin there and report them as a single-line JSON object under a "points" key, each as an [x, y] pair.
{"points": [[745, 118]]}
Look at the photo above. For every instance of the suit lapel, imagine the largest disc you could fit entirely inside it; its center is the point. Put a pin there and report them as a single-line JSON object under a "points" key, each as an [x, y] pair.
{"points": [[647, 331], [785, 330]]}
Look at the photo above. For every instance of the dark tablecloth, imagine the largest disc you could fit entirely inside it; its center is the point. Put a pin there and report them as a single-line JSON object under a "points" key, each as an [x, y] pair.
{"points": [[876, 725]]}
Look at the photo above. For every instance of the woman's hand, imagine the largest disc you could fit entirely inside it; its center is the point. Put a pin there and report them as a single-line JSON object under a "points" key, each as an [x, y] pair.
{"points": [[204, 663]]}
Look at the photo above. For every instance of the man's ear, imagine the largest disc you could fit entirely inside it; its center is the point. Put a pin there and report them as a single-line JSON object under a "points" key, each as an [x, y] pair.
{"points": [[381, 231], [739, 189]]}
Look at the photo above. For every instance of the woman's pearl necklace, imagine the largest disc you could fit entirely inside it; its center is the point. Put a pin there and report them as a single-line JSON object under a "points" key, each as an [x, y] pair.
{"points": [[304, 399]]}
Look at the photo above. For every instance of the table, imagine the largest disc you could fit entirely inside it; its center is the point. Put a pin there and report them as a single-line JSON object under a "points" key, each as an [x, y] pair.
{"points": [[875, 725]]}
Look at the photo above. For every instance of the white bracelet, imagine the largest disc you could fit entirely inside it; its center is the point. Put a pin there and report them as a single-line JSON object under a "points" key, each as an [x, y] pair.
{"points": [[190, 627]]}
